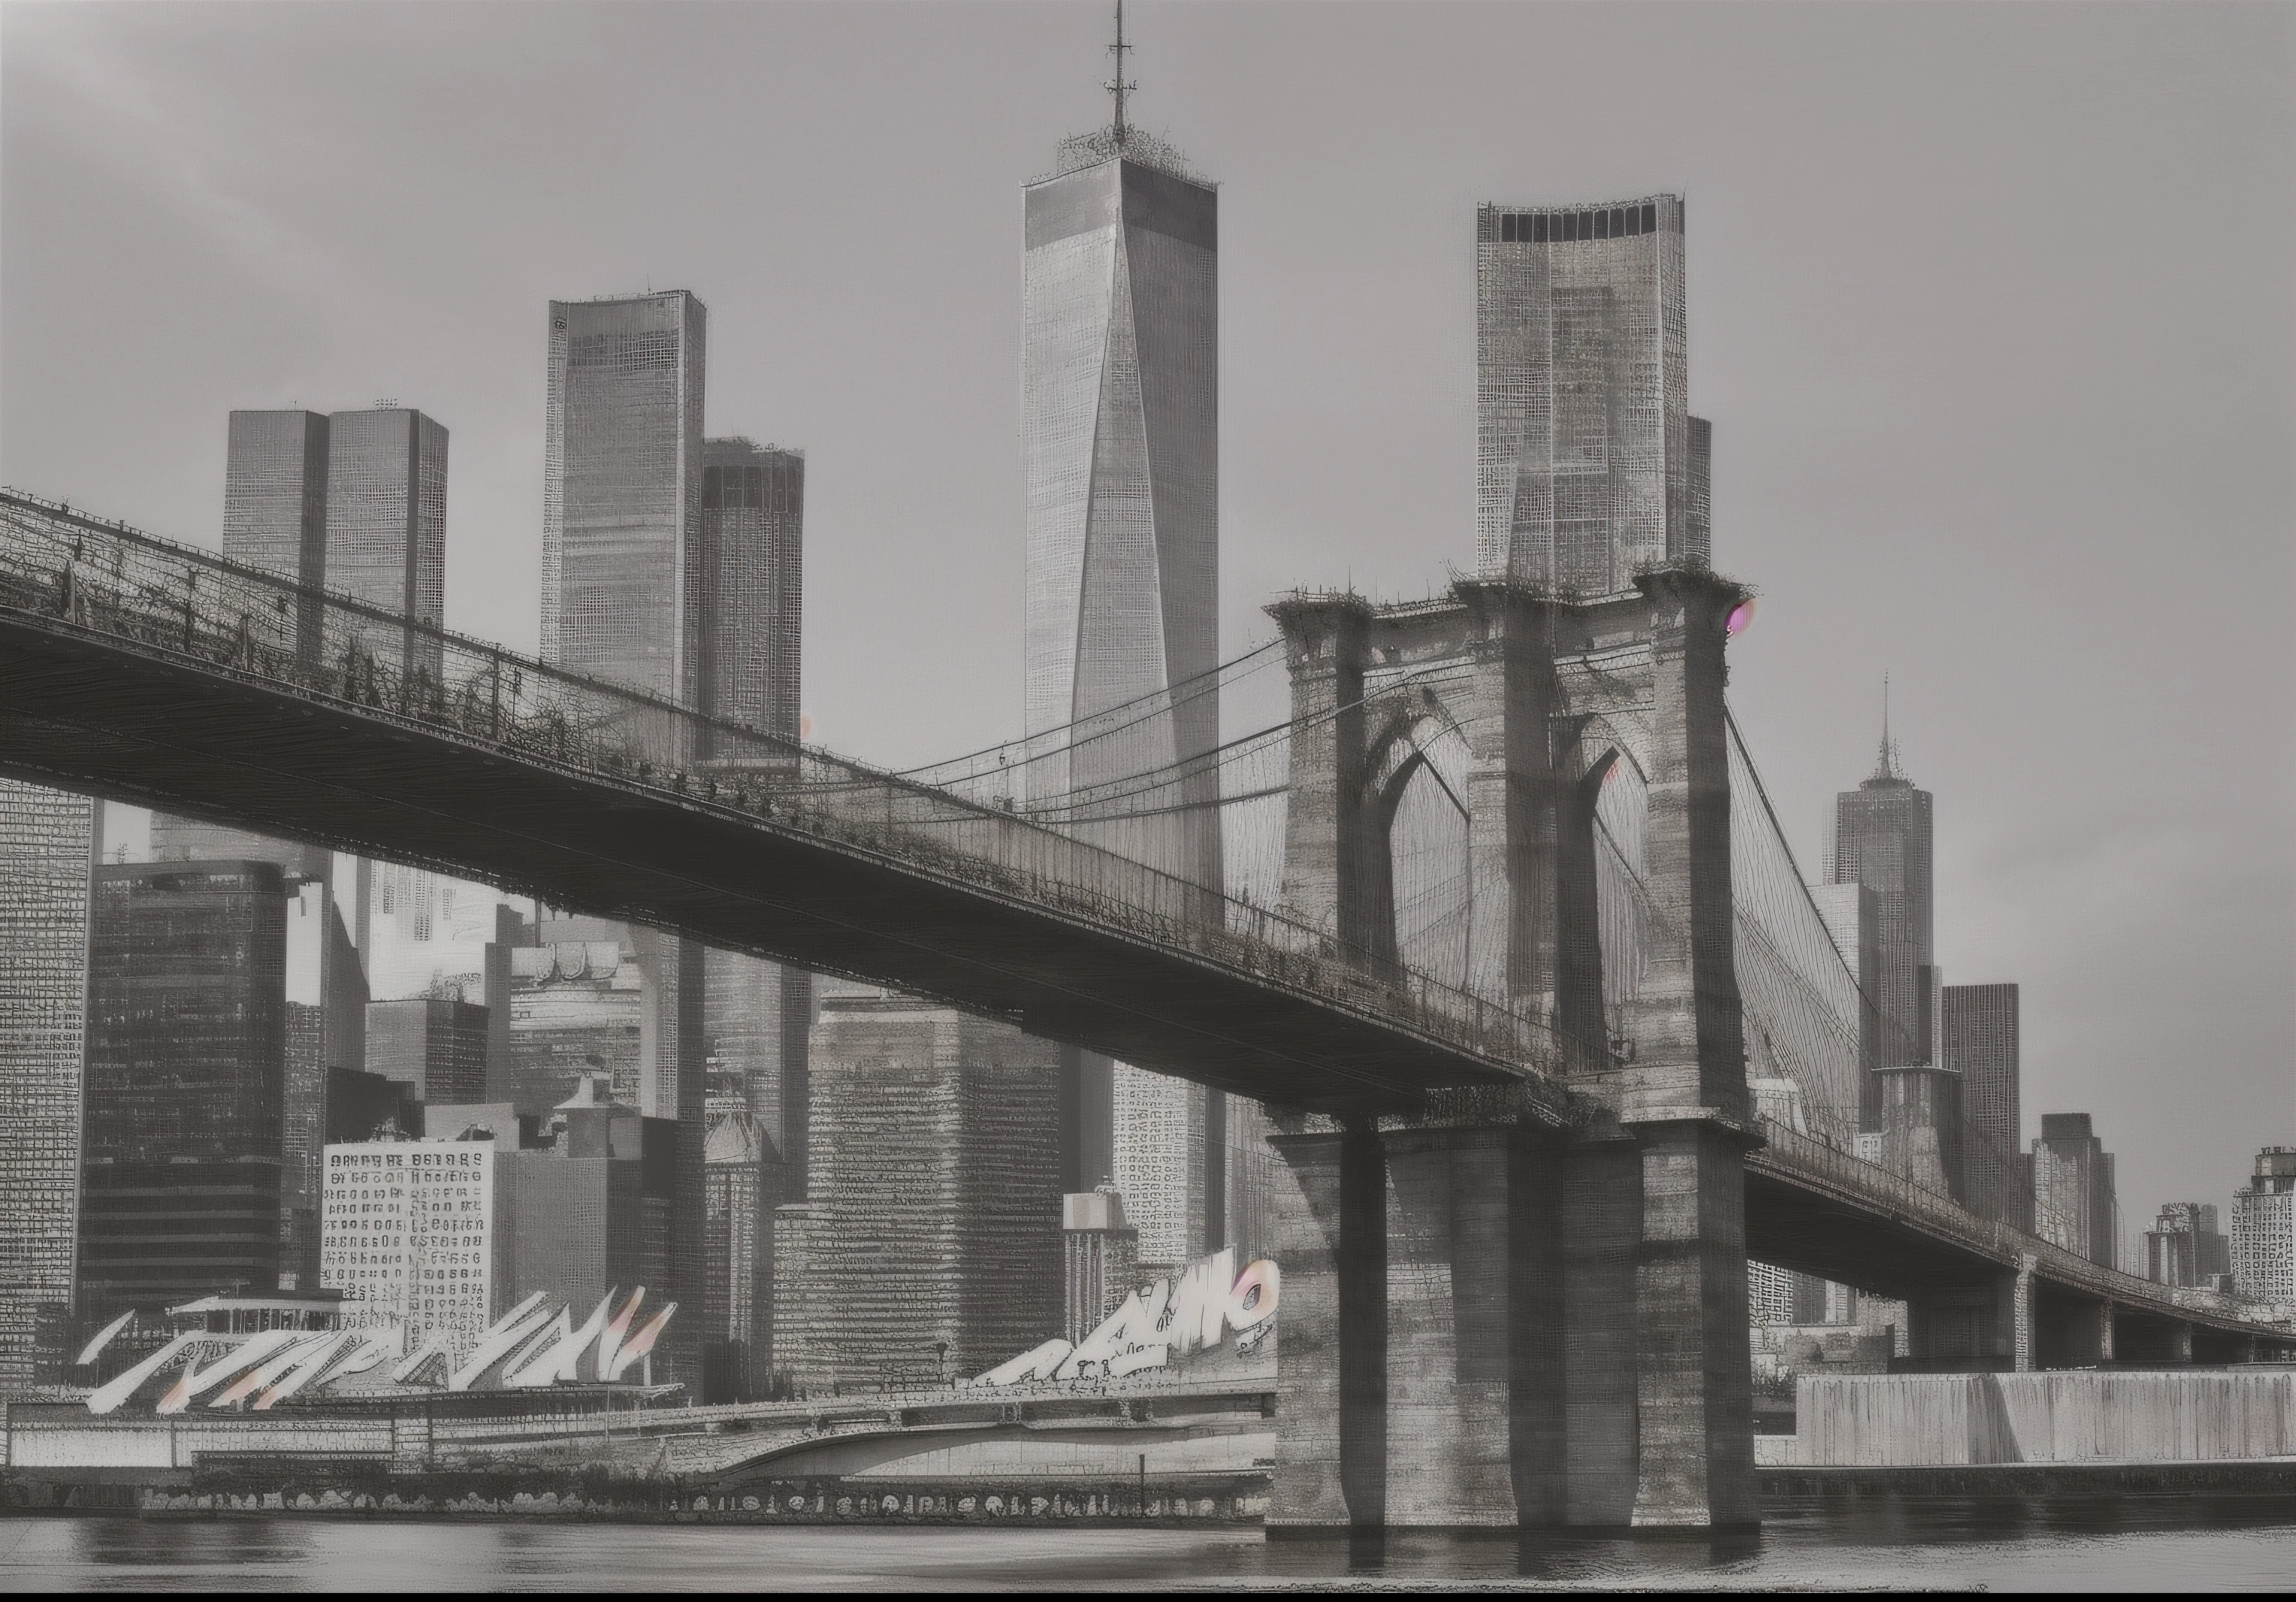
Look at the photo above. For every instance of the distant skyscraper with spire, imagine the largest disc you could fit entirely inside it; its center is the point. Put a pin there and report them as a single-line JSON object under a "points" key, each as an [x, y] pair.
{"points": [[1884, 838], [1120, 438]]}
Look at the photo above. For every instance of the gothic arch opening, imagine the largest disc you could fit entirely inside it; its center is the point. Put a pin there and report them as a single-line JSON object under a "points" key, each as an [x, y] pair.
{"points": [[1423, 890]]}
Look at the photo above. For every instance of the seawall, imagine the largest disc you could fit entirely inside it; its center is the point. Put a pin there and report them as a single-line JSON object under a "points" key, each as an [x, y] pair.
{"points": [[2074, 1416]]}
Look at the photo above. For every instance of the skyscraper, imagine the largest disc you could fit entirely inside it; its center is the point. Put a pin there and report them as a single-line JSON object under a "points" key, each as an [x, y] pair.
{"points": [[2264, 1229], [436, 1044], [1885, 839], [387, 526], [1121, 443], [751, 574], [1588, 462], [622, 602], [46, 840], [274, 519], [621, 497], [1981, 1045], [186, 1061], [2184, 1248], [592, 1210], [744, 1180], [928, 1245], [2075, 1204], [274, 494], [355, 502]]}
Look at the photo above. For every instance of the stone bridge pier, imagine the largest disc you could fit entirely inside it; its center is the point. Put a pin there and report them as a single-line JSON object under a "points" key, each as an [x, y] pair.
{"points": [[1494, 1316]]}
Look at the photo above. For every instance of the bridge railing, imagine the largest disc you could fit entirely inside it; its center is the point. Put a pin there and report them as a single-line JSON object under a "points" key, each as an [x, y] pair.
{"points": [[156, 596], [2006, 1244]]}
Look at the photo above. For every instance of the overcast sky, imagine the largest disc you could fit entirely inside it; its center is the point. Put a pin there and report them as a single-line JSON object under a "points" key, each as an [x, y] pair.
{"points": [[1992, 308]]}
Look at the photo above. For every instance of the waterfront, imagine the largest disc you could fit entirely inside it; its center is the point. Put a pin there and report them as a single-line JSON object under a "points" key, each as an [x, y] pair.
{"points": [[2129, 1543]]}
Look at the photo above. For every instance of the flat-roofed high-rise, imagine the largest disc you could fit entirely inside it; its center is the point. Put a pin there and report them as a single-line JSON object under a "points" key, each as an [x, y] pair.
{"points": [[186, 1069], [753, 579], [274, 493], [622, 499], [1981, 1045], [1589, 461], [46, 838], [387, 524], [622, 602]]}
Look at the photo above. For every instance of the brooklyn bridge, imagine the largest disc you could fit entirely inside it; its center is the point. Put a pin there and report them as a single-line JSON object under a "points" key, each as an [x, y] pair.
{"points": [[1508, 940]]}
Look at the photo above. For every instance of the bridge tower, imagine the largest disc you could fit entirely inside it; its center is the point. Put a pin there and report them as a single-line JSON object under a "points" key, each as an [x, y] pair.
{"points": [[1487, 1321]]}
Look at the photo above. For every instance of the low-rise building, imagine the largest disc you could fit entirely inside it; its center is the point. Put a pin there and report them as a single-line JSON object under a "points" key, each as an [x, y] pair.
{"points": [[409, 1236], [2184, 1248]]}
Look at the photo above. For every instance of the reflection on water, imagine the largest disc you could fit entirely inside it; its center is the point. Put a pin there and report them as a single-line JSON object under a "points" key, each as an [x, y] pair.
{"points": [[2116, 1543]]}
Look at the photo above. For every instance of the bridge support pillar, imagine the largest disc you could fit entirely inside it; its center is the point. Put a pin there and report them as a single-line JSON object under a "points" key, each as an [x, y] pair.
{"points": [[2104, 1311], [1694, 1395], [1475, 1427], [2180, 1343], [1331, 1472]]}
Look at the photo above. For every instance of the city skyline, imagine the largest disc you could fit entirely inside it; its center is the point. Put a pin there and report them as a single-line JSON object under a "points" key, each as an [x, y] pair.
{"points": [[1517, 1045], [2019, 827]]}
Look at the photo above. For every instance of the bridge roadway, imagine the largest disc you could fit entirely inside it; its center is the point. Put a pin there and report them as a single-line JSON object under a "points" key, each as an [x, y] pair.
{"points": [[1820, 1211], [143, 686], [137, 671]]}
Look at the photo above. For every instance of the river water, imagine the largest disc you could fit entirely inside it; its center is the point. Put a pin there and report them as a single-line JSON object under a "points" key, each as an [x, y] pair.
{"points": [[2094, 1545]]}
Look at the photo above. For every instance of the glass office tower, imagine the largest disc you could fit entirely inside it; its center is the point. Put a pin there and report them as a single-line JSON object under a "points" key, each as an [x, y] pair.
{"points": [[1120, 442], [1589, 461], [186, 1071], [622, 499], [622, 602]]}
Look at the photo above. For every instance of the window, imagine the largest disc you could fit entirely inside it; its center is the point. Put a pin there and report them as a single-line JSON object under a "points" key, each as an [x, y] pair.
{"points": [[750, 484], [1506, 229], [1618, 222], [1538, 228], [709, 481], [1649, 217]]}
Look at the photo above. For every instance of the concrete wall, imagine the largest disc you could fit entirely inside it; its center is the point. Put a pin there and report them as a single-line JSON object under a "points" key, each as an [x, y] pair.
{"points": [[1900, 1421], [162, 1444]]}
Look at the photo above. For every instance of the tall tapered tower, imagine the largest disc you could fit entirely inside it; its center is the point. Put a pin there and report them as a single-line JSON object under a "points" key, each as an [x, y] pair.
{"points": [[1121, 436]]}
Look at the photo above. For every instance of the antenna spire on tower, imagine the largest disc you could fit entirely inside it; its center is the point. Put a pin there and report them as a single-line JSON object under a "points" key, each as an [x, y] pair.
{"points": [[1886, 768], [1119, 88]]}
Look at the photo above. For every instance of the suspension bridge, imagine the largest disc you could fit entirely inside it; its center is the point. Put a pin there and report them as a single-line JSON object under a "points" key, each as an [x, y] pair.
{"points": [[1497, 922]]}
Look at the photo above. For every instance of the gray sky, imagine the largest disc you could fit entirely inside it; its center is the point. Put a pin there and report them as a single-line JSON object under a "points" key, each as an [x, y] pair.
{"points": [[1993, 307]]}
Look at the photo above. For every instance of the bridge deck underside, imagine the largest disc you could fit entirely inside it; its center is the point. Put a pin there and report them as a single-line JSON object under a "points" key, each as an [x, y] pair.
{"points": [[89, 716], [1801, 1222], [1813, 1232]]}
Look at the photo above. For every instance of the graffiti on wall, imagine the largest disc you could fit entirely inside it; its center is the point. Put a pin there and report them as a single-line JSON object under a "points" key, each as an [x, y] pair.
{"points": [[1192, 1310]]}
